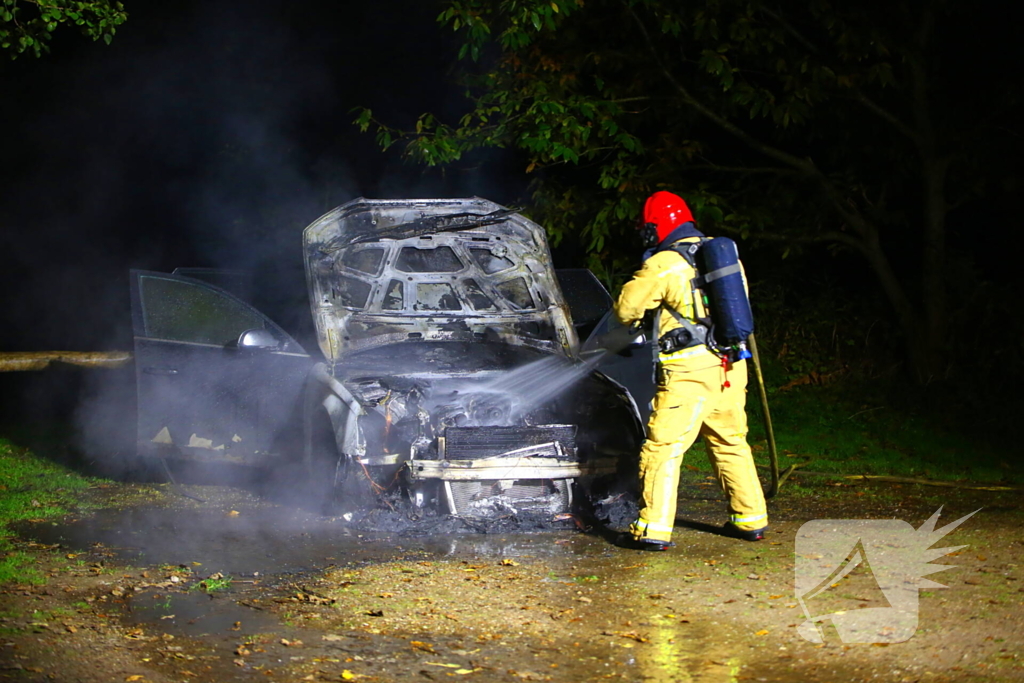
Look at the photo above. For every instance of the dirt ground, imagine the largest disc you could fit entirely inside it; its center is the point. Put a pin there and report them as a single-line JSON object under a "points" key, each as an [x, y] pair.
{"points": [[312, 599]]}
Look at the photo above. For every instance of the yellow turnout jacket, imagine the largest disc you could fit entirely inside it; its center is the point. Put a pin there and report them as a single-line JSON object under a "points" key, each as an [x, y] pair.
{"points": [[665, 280]]}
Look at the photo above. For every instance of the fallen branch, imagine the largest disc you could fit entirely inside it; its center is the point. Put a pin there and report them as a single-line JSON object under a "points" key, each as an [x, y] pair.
{"points": [[789, 470], [928, 482], [22, 361], [889, 479], [250, 605]]}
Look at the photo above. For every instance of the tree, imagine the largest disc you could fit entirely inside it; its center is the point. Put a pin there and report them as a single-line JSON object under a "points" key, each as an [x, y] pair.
{"points": [[793, 122], [28, 25]]}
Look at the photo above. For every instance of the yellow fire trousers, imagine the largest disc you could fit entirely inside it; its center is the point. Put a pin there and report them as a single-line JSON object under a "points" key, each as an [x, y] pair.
{"points": [[689, 403]]}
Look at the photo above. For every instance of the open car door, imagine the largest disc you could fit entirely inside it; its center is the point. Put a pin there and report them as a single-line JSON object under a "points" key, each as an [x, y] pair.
{"points": [[633, 367], [217, 380], [590, 306]]}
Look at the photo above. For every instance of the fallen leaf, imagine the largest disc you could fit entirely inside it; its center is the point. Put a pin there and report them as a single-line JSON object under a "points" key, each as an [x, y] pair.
{"points": [[762, 632], [508, 563], [450, 666], [291, 643], [424, 647], [333, 637], [233, 513], [347, 675], [135, 677]]}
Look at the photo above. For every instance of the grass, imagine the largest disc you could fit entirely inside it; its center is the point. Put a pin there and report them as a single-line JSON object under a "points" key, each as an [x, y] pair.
{"points": [[213, 584], [849, 429], [30, 488]]}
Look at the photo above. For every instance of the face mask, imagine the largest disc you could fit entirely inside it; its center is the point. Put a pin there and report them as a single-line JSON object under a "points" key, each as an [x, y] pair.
{"points": [[649, 235]]}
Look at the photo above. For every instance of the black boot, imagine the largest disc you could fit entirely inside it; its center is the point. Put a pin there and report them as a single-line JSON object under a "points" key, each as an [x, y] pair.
{"points": [[625, 540], [733, 531]]}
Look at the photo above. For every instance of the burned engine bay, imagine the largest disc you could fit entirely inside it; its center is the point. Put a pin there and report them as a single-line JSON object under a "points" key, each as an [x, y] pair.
{"points": [[485, 442], [451, 373]]}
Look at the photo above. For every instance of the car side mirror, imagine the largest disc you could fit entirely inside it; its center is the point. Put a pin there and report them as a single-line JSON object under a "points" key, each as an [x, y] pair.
{"points": [[258, 338]]}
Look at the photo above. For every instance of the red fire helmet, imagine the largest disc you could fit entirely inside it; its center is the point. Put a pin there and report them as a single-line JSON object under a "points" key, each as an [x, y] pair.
{"points": [[666, 211]]}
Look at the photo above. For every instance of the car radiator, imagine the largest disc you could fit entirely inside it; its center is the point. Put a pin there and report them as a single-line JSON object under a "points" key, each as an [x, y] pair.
{"points": [[493, 498]]}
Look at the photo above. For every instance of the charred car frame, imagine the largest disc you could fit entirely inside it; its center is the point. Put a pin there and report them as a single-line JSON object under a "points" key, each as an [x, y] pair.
{"points": [[448, 373]]}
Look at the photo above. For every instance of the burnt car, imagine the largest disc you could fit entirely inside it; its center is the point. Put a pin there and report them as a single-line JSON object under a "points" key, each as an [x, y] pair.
{"points": [[448, 371]]}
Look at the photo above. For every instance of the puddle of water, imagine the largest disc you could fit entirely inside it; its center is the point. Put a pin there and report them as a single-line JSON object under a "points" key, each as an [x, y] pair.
{"points": [[279, 541], [272, 540], [195, 613]]}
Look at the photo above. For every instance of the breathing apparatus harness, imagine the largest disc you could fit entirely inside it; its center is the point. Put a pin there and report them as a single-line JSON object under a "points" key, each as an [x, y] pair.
{"points": [[719, 283]]}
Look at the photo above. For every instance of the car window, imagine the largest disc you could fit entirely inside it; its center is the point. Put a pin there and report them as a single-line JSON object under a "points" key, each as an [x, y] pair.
{"points": [[350, 292], [587, 298], [491, 261], [184, 311], [436, 296], [364, 260], [437, 260], [394, 299], [478, 301], [516, 293]]}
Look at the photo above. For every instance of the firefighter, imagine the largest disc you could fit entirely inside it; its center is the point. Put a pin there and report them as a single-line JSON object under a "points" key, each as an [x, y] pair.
{"points": [[698, 393]]}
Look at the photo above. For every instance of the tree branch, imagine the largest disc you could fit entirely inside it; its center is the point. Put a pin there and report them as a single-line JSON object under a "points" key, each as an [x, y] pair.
{"points": [[804, 165], [823, 237], [853, 218], [888, 116], [860, 95]]}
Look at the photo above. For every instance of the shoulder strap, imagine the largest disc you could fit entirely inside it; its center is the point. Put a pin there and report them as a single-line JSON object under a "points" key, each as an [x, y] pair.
{"points": [[688, 250]]}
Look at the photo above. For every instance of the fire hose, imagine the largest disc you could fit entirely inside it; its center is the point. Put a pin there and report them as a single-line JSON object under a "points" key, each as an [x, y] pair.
{"points": [[773, 454]]}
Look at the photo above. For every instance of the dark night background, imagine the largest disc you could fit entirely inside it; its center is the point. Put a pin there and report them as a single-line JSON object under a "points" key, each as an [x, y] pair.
{"points": [[210, 134], [206, 134]]}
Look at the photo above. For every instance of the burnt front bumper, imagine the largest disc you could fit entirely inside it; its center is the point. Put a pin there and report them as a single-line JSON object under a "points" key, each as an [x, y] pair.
{"points": [[482, 475]]}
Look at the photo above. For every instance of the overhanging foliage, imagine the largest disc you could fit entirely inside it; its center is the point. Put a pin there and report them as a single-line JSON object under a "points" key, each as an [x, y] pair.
{"points": [[790, 122]]}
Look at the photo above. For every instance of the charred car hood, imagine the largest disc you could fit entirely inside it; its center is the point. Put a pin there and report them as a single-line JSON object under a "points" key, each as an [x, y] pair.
{"points": [[382, 272]]}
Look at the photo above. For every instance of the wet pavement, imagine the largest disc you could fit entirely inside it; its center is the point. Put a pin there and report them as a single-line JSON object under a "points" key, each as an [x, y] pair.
{"points": [[272, 540], [318, 598]]}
